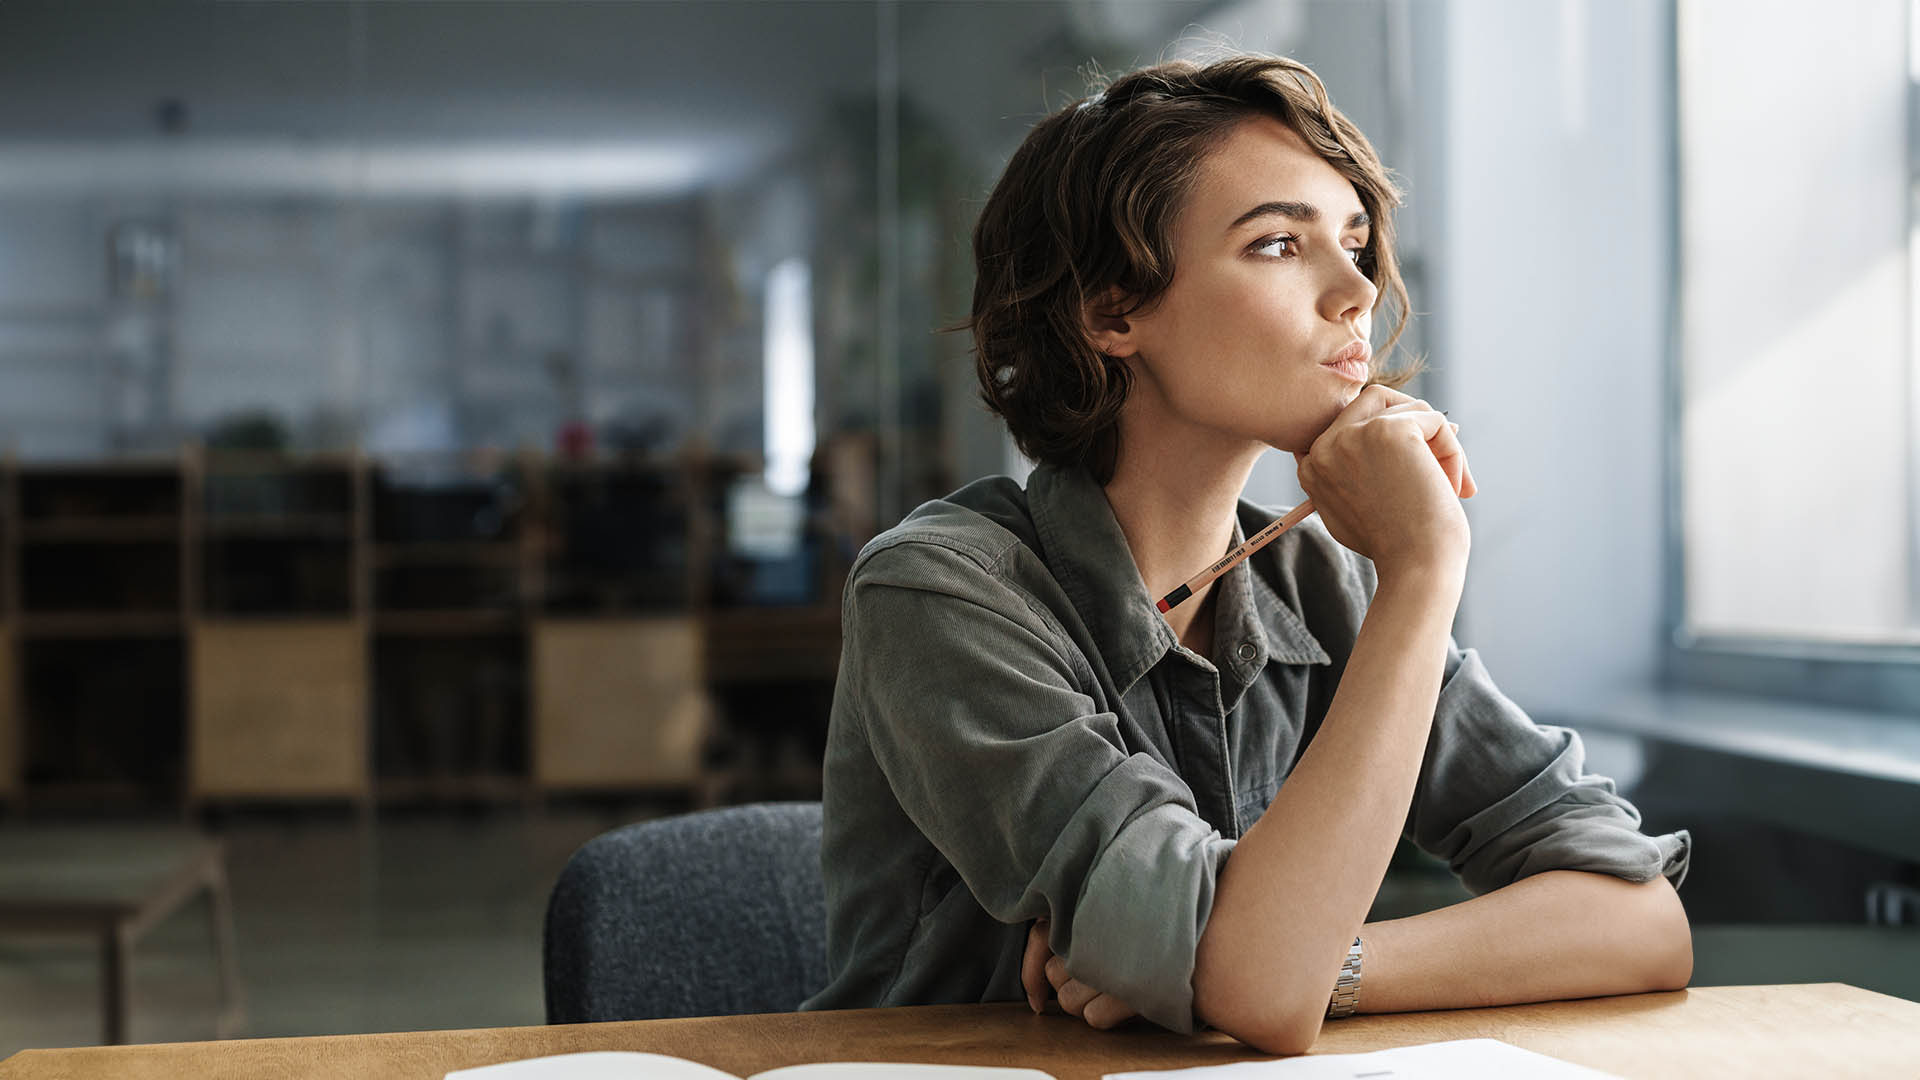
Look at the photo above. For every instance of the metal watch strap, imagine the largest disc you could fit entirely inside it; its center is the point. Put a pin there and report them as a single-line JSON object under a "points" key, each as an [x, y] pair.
{"points": [[1346, 989]]}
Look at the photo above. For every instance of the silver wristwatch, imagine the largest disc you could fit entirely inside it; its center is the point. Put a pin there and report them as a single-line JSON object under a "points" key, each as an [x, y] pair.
{"points": [[1346, 989]]}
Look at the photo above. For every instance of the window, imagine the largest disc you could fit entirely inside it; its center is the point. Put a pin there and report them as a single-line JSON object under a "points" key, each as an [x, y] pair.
{"points": [[1794, 439]]}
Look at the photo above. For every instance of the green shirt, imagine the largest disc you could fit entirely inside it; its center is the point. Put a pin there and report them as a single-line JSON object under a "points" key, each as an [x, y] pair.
{"points": [[1017, 733]]}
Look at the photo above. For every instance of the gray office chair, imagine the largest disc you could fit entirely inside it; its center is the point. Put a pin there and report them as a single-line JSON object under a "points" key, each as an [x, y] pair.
{"points": [[706, 914]]}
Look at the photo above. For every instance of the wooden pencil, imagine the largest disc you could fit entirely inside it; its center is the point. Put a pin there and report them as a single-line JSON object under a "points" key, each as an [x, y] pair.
{"points": [[1240, 551]]}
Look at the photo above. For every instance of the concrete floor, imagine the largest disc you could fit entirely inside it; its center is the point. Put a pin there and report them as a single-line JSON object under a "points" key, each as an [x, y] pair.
{"points": [[434, 922], [414, 924]]}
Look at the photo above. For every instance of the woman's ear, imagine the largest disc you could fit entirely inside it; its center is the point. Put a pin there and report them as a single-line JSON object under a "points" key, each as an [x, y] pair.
{"points": [[1109, 331]]}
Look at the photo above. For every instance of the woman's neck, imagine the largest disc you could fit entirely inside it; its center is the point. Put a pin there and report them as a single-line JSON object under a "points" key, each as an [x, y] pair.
{"points": [[1175, 494]]}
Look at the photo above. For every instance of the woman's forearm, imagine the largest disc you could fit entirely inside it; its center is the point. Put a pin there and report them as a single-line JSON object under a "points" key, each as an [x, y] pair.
{"points": [[1298, 884], [1555, 935]]}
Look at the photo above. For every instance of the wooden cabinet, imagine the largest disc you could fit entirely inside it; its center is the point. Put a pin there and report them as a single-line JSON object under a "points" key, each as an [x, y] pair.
{"points": [[279, 710], [619, 703], [224, 627]]}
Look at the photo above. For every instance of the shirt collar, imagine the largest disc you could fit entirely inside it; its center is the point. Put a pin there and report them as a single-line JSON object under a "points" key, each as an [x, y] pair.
{"points": [[1088, 554]]}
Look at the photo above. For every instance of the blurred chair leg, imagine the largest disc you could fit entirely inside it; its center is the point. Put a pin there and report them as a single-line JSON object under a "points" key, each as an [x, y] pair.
{"points": [[116, 984], [233, 1008]]}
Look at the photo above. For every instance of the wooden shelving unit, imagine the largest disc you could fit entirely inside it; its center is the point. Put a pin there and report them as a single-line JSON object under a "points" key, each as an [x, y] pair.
{"points": [[229, 627]]}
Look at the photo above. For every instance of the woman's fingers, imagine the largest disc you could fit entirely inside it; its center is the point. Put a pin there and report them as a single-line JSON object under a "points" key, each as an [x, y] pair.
{"points": [[1450, 454], [1379, 401], [1374, 399], [1075, 995], [1436, 432], [1033, 966], [1469, 487], [1442, 436], [1057, 972], [1078, 999], [1106, 1011]]}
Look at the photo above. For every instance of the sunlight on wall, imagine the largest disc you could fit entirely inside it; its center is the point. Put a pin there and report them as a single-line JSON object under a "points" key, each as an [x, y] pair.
{"points": [[1795, 343]]}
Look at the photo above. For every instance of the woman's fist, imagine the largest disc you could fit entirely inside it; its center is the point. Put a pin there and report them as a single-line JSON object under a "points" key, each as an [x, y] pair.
{"points": [[1040, 969], [1387, 477]]}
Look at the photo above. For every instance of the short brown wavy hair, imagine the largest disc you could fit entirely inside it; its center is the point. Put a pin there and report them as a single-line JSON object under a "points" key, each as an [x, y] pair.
{"points": [[1087, 205]]}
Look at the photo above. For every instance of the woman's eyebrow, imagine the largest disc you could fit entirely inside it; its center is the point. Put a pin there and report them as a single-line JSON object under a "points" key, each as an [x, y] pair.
{"points": [[1306, 213]]}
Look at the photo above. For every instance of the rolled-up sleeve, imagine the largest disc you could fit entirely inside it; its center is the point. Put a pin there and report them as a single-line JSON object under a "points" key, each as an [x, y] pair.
{"points": [[1501, 798], [971, 700]]}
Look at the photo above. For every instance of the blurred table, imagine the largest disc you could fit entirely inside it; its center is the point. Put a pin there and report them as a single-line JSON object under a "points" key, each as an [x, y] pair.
{"points": [[115, 884], [1824, 1029]]}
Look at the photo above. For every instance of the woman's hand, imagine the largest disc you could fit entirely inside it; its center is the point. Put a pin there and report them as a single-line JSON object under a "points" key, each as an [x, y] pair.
{"points": [[1387, 477], [1039, 967]]}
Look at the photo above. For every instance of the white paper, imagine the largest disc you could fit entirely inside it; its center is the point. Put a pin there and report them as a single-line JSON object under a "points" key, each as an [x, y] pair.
{"points": [[1462, 1059], [632, 1065], [595, 1065], [874, 1070]]}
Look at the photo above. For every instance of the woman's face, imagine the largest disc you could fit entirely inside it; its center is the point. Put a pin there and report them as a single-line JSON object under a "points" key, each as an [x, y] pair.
{"points": [[1265, 292]]}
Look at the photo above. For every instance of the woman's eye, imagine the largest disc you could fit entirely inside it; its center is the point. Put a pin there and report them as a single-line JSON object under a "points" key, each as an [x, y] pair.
{"points": [[1355, 254], [1266, 245]]}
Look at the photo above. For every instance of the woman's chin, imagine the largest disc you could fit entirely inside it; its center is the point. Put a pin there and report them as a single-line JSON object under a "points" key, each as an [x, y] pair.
{"points": [[1299, 435]]}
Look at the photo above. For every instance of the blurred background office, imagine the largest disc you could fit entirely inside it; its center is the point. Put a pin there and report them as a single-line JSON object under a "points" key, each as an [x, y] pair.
{"points": [[437, 432]]}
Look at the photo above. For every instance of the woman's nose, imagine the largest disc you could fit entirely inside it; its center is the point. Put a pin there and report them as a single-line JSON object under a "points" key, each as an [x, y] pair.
{"points": [[1349, 295]]}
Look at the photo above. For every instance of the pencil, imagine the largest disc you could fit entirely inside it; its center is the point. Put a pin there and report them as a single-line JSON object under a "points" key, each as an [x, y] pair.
{"points": [[1240, 551]]}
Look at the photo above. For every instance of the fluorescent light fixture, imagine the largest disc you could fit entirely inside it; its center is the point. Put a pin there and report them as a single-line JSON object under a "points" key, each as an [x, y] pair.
{"points": [[292, 167], [788, 343]]}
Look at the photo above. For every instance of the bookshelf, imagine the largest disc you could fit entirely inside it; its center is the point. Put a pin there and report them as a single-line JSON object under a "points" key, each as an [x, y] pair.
{"points": [[223, 627]]}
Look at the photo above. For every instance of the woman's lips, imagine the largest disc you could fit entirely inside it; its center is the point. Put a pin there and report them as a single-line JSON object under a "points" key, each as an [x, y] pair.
{"points": [[1350, 369], [1351, 361]]}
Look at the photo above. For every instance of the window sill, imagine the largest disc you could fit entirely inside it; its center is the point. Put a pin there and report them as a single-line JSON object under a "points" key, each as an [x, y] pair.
{"points": [[1846, 774], [1883, 746]]}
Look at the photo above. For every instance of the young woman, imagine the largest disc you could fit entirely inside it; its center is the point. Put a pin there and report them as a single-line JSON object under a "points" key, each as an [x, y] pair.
{"points": [[1036, 782]]}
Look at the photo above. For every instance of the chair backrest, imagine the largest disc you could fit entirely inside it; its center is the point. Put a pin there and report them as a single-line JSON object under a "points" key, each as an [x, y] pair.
{"points": [[706, 914]]}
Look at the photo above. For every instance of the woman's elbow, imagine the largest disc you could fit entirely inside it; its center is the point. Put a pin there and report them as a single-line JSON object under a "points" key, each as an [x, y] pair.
{"points": [[1284, 1035], [1672, 968], [1677, 972], [1295, 1037], [1257, 1017]]}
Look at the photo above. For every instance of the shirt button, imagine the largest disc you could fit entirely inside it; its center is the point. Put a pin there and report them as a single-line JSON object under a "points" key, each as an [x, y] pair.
{"points": [[1247, 651]]}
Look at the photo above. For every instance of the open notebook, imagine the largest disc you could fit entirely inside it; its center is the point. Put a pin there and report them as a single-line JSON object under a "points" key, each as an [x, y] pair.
{"points": [[631, 1065], [1461, 1059]]}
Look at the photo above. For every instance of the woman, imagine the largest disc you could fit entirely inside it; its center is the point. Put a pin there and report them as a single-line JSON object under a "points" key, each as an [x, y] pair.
{"points": [[1035, 781]]}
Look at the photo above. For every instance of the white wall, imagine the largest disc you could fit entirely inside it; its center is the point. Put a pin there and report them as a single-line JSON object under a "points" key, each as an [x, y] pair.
{"points": [[1537, 174]]}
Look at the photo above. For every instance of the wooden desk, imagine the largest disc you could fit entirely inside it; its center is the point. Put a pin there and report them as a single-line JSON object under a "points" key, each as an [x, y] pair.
{"points": [[1824, 1030]]}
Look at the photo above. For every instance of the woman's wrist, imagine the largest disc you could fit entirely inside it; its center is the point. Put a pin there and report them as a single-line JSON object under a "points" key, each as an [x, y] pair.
{"points": [[1436, 573]]}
